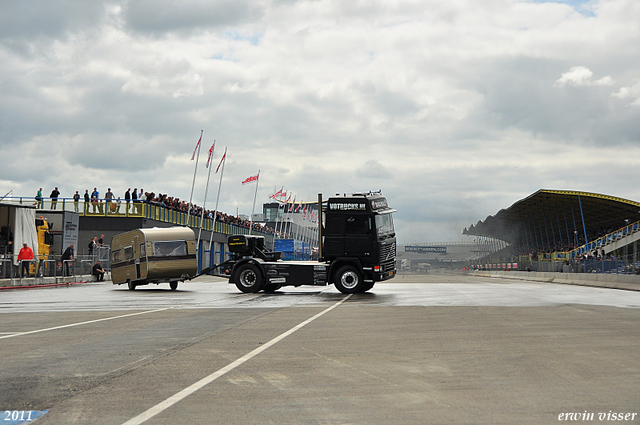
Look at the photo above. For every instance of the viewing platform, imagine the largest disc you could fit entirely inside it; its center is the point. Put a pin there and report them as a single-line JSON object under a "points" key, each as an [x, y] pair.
{"points": [[143, 210]]}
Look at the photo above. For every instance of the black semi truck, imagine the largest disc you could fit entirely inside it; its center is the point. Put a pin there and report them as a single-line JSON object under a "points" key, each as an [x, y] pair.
{"points": [[357, 247]]}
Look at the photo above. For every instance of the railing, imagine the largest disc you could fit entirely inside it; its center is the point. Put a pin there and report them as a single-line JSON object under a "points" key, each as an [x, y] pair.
{"points": [[606, 240], [6, 269], [139, 208], [46, 270], [84, 263]]}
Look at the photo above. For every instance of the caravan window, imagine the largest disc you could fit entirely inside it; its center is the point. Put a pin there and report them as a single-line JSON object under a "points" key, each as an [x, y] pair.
{"points": [[128, 252], [116, 256], [169, 248]]}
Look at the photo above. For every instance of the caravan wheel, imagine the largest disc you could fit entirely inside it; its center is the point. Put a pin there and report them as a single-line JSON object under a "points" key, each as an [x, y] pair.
{"points": [[131, 285], [173, 285]]}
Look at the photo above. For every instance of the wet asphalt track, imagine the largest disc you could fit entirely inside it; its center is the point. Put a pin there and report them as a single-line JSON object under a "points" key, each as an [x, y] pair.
{"points": [[417, 350]]}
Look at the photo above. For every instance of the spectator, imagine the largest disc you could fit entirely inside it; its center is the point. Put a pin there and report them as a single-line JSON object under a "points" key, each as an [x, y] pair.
{"points": [[67, 257], [39, 198], [76, 199], [25, 256], [94, 199], [127, 198], [115, 206], [87, 198], [54, 198], [92, 244], [134, 199], [101, 240], [98, 271], [108, 197]]}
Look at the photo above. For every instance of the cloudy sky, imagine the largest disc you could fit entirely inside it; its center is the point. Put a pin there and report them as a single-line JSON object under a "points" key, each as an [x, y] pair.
{"points": [[454, 109]]}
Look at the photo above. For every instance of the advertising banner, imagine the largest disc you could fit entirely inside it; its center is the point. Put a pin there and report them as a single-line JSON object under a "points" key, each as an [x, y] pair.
{"points": [[426, 249]]}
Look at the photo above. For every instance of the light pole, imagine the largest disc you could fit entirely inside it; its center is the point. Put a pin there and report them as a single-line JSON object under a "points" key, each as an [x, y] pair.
{"points": [[575, 235], [626, 245]]}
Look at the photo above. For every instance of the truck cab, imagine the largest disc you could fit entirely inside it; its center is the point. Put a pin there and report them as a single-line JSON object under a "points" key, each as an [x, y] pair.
{"points": [[359, 230], [357, 247]]}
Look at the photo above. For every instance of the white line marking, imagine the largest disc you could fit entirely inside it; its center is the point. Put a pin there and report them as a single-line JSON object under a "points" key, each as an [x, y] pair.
{"points": [[164, 405], [84, 323]]}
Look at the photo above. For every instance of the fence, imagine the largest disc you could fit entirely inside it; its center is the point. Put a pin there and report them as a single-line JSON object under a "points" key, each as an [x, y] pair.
{"points": [[49, 270], [556, 264]]}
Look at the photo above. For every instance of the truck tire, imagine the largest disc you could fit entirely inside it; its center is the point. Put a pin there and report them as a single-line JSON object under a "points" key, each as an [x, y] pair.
{"points": [[367, 286], [248, 278], [271, 287], [348, 280], [173, 285]]}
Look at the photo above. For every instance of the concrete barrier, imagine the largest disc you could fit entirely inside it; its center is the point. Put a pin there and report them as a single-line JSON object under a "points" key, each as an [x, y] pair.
{"points": [[617, 281], [33, 282]]}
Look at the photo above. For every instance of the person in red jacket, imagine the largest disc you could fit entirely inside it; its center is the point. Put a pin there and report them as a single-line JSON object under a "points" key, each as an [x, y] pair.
{"points": [[24, 258]]}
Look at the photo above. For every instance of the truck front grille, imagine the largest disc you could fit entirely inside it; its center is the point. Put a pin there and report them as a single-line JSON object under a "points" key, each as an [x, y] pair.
{"points": [[388, 257], [388, 252]]}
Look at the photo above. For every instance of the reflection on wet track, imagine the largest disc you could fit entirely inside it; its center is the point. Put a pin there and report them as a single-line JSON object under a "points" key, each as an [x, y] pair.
{"points": [[217, 293]]}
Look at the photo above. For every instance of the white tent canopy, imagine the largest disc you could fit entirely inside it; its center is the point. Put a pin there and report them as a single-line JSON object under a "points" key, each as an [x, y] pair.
{"points": [[25, 231]]}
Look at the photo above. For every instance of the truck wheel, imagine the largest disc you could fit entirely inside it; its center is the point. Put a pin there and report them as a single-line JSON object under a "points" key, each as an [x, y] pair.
{"points": [[131, 285], [271, 287], [248, 278], [348, 280], [173, 285], [367, 286]]}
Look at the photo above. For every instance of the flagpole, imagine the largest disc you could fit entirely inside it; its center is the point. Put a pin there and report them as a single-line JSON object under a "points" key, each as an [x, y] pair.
{"points": [[194, 180], [254, 204], [285, 220], [287, 225], [284, 213], [277, 217], [215, 212], [206, 190], [279, 220]]}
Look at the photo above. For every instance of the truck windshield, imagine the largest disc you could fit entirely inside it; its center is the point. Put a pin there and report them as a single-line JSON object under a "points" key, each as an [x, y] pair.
{"points": [[384, 225]]}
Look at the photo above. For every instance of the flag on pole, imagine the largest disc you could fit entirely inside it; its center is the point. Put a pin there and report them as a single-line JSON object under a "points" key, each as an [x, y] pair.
{"points": [[277, 194], [210, 153], [281, 197], [197, 144], [221, 160], [251, 179]]}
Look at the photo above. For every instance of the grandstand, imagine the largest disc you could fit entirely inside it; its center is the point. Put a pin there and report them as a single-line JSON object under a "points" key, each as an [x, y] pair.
{"points": [[563, 231]]}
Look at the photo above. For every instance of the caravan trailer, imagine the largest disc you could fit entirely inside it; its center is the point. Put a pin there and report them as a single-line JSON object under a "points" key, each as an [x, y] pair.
{"points": [[155, 255]]}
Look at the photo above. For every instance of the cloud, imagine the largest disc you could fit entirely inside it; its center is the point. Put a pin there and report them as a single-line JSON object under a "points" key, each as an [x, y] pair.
{"points": [[24, 22], [375, 170], [632, 92], [582, 76], [454, 109], [159, 17]]}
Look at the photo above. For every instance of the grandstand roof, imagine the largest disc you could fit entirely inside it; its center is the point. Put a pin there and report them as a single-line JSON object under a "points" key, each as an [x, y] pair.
{"points": [[555, 215]]}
